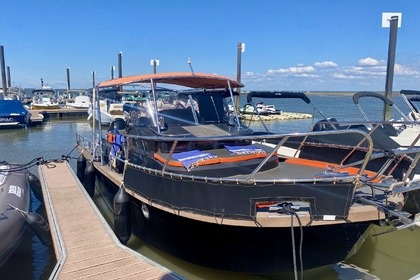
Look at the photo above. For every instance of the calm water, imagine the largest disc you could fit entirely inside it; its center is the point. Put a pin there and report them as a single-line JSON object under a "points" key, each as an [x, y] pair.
{"points": [[390, 256]]}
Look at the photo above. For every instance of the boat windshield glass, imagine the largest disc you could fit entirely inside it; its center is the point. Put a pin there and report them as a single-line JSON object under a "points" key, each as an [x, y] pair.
{"points": [[186, 108], [3, 173]]}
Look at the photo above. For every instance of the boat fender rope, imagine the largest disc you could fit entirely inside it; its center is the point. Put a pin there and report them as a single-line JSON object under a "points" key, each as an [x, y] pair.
{"points": [[286, 209]]}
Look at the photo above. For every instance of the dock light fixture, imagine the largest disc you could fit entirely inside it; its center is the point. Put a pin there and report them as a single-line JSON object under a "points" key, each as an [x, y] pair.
{"points": [[154, 63]]}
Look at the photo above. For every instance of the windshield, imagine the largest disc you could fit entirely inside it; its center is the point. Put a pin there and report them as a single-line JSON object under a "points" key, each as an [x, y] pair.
{"points": [[181, 108]]}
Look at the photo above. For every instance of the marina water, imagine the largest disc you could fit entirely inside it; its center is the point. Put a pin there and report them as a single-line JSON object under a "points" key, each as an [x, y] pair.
{"points": [[394, 255]]}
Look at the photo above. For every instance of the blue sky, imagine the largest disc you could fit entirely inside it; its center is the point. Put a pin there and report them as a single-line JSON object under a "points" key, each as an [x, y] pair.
{"points": [[290, 45]]}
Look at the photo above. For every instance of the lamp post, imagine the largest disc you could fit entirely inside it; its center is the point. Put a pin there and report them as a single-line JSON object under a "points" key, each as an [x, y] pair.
{"points": [[390, 20], [154, 63]]}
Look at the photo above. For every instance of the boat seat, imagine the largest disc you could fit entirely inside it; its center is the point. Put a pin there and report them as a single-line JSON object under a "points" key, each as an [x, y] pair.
{"points": [[222, 156], [333, 166]]}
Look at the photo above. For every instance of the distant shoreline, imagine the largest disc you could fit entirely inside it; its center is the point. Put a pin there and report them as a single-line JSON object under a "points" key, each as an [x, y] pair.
{"points": [[332, 93]]}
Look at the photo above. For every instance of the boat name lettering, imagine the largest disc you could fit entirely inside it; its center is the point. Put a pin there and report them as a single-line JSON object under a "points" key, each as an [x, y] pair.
{"points": [[16, 190], [6, 119]]}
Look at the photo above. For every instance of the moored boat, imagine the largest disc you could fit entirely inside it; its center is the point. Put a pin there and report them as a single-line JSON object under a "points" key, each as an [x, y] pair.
{"points": [[206, 188], [109, 111], [44, 98], [412, 99], [78, 99], [14, 198], [261, 112], [406, 131], [13, 114], [80, 102]]}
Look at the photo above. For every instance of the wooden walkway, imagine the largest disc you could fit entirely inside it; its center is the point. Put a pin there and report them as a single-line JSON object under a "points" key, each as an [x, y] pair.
{"points": [[84, 244]]}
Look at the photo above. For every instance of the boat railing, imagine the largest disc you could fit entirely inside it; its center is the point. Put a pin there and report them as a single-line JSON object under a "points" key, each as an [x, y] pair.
{"points": [[90, 145], [390, 128], [277, 140], [390, 187]]}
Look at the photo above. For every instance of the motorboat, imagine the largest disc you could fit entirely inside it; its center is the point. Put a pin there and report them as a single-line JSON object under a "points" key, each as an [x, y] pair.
{"points": [[44, 98], [405, 131], [13, 114], [14, 200], [259, 111], [412, 98], [109, 110], [260, 108], [202, 186], [79, 100]]}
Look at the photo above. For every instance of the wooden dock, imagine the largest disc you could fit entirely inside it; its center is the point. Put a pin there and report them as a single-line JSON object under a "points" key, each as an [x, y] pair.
{"points": [[84, 244], [61, 112]]}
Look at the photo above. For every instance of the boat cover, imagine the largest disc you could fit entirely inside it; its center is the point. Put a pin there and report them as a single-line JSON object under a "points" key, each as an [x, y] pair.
{"points": [[8, 107]]}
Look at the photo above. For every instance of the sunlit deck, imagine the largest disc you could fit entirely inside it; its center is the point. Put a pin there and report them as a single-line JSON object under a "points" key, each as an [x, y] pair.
{"points": [[84, 244]]}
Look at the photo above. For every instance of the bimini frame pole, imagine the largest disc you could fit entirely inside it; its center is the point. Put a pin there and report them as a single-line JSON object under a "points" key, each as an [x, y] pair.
{"points": [[234, 104], [156, 116]]}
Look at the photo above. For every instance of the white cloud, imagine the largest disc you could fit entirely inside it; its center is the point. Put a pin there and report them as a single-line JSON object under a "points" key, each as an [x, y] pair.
{"points": [[369, 61], [365, 74], [365, 71], [326, 64], [406, 71], [342, 76], [294, 70]]}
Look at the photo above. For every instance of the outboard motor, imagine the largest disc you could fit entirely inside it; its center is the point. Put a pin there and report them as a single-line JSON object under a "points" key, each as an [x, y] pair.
{"points": [[117, 124]]}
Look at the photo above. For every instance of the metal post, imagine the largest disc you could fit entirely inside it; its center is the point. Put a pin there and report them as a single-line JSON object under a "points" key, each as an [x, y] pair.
{"points": [[3, 72], [390, 65], [154, 63], [93, 104], [68, 78], [120, 65], [240, 49], [120, 69], [9, 81]]}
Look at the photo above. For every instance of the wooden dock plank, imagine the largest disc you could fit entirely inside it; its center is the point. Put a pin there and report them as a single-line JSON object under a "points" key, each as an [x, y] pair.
{"points": [[91, 248]]}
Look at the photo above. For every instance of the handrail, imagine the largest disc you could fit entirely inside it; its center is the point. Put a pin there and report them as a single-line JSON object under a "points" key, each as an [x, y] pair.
{"points": [[261, 138]]}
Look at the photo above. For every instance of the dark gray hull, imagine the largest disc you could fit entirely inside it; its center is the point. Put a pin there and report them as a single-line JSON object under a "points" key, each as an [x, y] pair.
{"points": [[15, 191]]}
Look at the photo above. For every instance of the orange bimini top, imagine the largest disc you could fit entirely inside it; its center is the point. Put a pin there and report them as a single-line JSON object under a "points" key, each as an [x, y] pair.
{"points": [[187, 79]]}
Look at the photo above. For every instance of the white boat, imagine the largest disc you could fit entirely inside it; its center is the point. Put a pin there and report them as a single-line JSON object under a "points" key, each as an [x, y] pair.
{"points": [[109, 111], [78, 99], [406, 131], [44, 98], [260, 109]]}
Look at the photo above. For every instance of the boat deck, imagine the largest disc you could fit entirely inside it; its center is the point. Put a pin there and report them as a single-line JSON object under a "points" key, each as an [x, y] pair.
{"points": [[84, 244]]}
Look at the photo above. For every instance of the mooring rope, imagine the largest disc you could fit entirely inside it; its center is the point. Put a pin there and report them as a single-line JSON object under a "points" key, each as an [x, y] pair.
{"points": [[286, 208]]}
